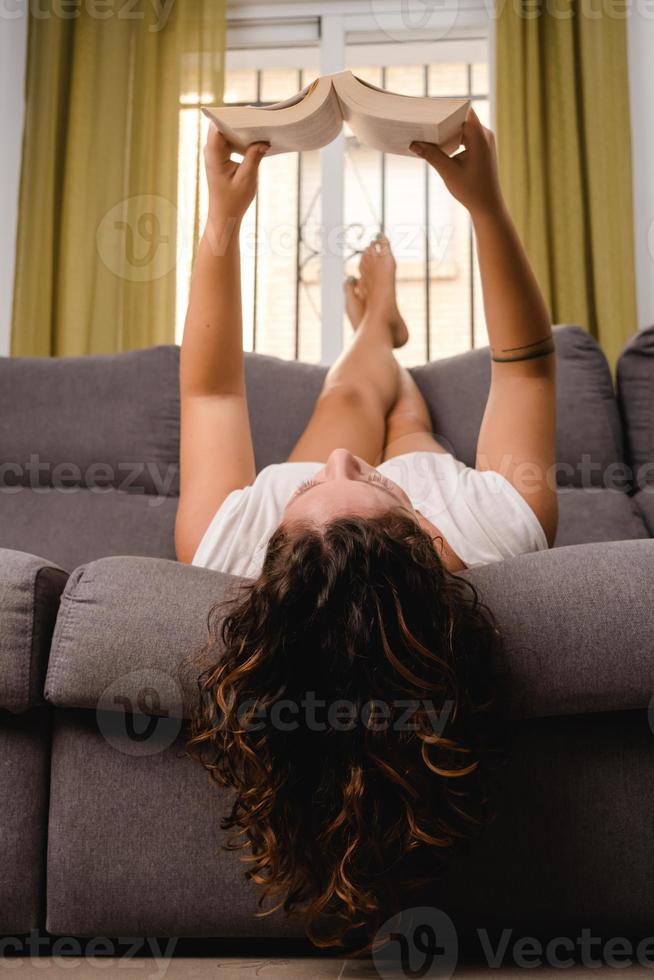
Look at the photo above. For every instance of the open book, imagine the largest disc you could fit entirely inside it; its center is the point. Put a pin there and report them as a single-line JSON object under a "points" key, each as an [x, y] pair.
{"points": [[314, 117]]}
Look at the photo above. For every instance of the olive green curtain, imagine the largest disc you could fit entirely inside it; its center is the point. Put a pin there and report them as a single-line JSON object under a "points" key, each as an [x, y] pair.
{"points": [[564, 143], [97, 242]]}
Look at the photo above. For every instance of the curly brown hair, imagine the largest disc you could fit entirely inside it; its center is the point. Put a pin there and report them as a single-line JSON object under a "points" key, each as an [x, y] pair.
{"points": [[342, 817]]}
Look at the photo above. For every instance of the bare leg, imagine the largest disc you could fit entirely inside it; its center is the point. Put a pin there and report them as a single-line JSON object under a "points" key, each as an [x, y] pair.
{"points": [[362, 386], [408, 424]]}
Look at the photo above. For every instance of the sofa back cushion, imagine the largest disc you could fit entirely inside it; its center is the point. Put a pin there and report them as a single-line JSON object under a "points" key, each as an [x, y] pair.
{"points": [[635, 377], [89, 450], [89, 446]]}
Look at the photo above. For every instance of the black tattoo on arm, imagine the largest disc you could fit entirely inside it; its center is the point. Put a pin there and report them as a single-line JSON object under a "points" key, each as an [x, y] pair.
{"points": [[523, 353]]}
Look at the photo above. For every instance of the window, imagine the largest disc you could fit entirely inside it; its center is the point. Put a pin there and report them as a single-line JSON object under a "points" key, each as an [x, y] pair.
{"points": [[281, 242]]}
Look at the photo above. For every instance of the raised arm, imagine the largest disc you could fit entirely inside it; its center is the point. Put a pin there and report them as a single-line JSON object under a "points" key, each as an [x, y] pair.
{"points": [[216, 454], [517, 435]]}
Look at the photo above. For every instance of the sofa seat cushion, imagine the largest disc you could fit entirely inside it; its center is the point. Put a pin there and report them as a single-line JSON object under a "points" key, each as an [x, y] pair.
{"points": [[135, 846], [635, 379], [24, 785], [30, 589], [598, 514], [577, 621]]}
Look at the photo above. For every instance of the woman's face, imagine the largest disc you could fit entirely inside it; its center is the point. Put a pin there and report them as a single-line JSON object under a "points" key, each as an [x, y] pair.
{"points": [[346, 486]]}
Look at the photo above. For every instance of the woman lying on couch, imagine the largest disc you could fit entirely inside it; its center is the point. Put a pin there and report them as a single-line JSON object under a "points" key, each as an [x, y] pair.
{"points": [[353, 546]]}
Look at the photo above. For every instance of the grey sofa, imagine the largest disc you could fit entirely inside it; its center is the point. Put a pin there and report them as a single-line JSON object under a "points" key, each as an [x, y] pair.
{"points": [[106, 828]]}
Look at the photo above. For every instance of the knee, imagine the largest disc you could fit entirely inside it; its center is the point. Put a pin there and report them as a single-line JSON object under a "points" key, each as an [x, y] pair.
{"points": [[348, 396], [406, 423]]}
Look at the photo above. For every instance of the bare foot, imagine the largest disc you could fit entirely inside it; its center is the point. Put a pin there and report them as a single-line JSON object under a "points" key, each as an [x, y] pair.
{"points": [[374, 291], [355, 300]]}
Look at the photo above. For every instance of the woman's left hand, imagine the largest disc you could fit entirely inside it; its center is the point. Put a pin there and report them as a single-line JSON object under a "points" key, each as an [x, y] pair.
{"points": [[232, 185], [471, 176]]}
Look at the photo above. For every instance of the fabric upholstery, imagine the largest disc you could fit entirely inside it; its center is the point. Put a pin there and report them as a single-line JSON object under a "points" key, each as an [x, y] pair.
{"points": [[644, 502], [135, 846], [81, 525], [592, 654], [597, 514], [571, 846], [114, 420], [588, 424], [24, 776], [29, 598], [281, 397], [115, 606], [635, 379]]}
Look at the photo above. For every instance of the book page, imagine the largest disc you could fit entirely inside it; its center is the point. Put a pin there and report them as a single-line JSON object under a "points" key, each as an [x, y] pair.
{"points": [[396, 135], [305, 122], [391, 122]]}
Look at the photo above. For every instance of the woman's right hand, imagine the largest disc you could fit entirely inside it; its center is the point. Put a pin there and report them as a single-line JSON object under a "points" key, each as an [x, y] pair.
{"points": [[471, 176], [232, 185]]}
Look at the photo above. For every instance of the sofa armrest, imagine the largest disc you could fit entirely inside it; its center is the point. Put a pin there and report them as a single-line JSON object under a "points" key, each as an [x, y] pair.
{"points": [[578, 623], [30, 589], [129, 632]]}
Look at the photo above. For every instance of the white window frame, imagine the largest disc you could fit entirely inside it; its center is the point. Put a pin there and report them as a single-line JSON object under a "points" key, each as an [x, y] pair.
{"points": [[336, 34]]}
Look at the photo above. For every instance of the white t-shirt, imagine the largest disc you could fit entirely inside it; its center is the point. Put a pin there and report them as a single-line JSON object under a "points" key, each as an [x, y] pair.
{"points": [[480, 514]]}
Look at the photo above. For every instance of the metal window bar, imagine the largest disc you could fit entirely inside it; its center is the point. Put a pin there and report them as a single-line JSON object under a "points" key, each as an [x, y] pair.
{"points": [[298, 235], [425, 75], [382, 209], [471, 244], [255, 277]]}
